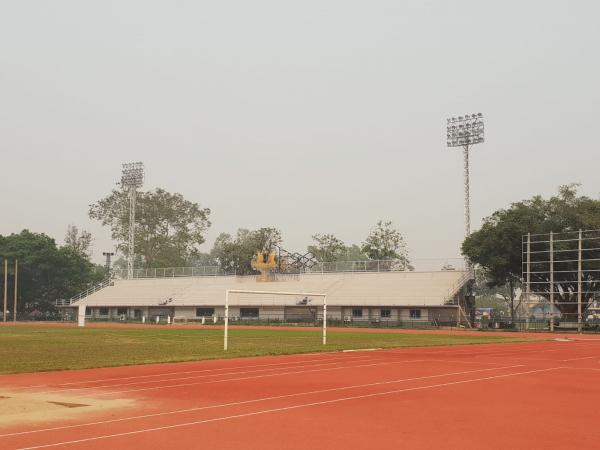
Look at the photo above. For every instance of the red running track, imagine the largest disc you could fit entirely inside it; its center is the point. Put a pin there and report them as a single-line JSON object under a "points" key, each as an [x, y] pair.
{"points": [[521, 395]]}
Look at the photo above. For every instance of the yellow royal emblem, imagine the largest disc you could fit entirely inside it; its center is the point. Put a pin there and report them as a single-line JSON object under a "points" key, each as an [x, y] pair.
{"points": [[264, 262]]}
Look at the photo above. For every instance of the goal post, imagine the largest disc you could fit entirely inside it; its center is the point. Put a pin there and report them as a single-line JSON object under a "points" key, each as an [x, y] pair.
{"points": [[228, 292]]}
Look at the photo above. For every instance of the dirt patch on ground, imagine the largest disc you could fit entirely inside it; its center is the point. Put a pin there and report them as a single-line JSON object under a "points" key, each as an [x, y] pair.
{"points": [[24, 408]]}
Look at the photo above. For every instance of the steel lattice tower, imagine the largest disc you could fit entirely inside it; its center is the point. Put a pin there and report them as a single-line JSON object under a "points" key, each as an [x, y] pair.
{"points": [[131, 180]]}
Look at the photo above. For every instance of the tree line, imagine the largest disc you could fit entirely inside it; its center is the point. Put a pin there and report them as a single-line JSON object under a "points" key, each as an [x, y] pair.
{"points": [[48, 271], [497, 248], [170, 231]]}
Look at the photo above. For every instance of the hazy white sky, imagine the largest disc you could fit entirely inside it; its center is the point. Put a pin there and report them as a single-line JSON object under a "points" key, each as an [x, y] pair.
{"points": [[311, 116]]}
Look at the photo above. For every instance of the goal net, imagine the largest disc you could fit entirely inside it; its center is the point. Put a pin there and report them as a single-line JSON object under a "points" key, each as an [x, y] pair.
{"points": [[250, 307]]}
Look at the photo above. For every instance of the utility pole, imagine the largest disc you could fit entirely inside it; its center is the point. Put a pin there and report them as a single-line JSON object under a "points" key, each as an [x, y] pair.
{"points": [[16, 289], [5, 288]]}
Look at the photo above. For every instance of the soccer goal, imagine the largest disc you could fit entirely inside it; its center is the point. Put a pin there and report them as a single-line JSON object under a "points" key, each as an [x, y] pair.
{"points": [[265, 299]]}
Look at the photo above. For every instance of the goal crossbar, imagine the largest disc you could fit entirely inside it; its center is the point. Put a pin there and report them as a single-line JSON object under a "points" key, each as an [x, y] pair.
{"points": [[243, 291]]}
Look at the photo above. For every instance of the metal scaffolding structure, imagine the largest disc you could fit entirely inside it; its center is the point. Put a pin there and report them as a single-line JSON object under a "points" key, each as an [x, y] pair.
{"points": [[563, 269]]}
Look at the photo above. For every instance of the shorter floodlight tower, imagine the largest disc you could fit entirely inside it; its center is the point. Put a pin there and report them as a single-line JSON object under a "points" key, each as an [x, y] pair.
{"points": [[132, 179], [108, 256], [465, 131]]}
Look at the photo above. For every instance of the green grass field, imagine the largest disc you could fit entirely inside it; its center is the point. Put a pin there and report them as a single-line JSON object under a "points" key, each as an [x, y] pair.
{"points": [[39, 348]]}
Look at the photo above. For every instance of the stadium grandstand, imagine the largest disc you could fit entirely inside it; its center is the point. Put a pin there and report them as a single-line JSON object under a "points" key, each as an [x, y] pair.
{"points": [[357, 294]]}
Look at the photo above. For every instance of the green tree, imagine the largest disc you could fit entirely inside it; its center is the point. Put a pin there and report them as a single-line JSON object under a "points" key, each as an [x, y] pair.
{"points": [[497, 246], [353, 253], [46, 272], [235, 253], [327, 248], [169, 228], [203, 259], [79, 242], [486, 296], [384, 242]]}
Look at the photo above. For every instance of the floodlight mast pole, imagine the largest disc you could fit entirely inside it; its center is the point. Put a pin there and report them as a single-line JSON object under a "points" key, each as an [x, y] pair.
{"points": [[465, 131], [132, 178], [467, 194], [131, 251]]}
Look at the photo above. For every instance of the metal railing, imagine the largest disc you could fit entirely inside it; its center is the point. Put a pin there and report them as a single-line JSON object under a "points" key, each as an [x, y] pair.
{"points": [[359, 266], [424, 265], [175, 272], [469, 275], [91, 290]]}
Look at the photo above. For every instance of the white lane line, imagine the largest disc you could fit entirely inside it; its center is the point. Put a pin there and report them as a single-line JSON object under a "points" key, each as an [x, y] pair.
{"points": [[478, 351], [449, 361], [503, 354], [185, 372], [517, 358], [578, 359], [256, 377], [256, 400], [284, 408], [509, 353], [68, 390]]}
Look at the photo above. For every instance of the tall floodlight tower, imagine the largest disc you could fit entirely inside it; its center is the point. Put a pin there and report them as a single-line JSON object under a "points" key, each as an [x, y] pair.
{"points": [[131, 180], [465, 131]]}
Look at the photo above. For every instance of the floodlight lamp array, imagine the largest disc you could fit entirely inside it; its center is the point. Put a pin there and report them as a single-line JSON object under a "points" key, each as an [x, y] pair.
{"points": [[133, 175], [465, 130]]}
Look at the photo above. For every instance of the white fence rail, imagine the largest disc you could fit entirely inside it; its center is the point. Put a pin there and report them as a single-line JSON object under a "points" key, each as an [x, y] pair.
{"points": [[419, 265], [95, 288]]}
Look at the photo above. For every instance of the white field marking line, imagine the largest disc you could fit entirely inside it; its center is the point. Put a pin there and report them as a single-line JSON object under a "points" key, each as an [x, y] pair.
{"points": [[72, 389], [583, 368], [361, 350], [286, 408], [185, 372], [258, 376], [577, 359], [244, 402]]}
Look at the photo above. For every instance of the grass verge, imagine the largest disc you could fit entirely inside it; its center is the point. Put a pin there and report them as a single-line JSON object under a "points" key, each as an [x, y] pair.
{"points": [[37, 348]]}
